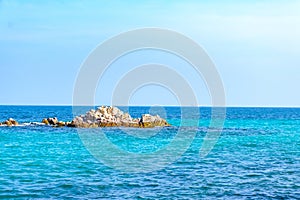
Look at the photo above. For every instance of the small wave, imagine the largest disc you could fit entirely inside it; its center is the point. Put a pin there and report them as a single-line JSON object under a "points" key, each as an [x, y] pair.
{"points": [[26, 124], [34, 124]]}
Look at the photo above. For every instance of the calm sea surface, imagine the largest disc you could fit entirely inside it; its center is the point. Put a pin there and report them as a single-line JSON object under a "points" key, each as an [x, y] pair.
{"points": [[256, 157]]}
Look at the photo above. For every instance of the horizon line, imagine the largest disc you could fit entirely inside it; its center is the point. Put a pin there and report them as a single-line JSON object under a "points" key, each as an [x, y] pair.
{"points": [[227, 106]]}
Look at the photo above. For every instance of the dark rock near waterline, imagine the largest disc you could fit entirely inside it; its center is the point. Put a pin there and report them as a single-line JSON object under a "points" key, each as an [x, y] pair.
{"points": [[53, 121], [60, 124]]}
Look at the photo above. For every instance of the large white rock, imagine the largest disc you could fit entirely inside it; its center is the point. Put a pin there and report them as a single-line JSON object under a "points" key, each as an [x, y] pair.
{"points": [[113, 116]]}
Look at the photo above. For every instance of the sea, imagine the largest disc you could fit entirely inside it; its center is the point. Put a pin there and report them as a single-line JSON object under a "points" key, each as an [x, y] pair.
{"points": [[256, 156]]}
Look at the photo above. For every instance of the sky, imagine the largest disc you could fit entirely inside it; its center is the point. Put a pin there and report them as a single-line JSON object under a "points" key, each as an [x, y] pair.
{"points": [[255, 46]]}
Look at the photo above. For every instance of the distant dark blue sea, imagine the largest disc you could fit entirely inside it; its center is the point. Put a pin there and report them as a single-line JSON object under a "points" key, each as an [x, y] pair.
{"points": [[257, 156]]}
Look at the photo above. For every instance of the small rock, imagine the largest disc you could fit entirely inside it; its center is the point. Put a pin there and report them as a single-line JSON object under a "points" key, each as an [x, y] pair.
{"points": [[14, 122], [45, 121], [11, 122], [8, 123], [60, 124], [149, 121], [69, 124], [52, 121]]}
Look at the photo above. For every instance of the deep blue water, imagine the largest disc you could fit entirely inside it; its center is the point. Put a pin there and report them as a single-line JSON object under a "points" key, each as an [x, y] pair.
{"points": [[256, 157]]}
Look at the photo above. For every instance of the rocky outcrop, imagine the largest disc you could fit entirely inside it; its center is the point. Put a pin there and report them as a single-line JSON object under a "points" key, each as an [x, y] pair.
{"points": [[10, 122], [106, 116], [149, 121], [54, 122]]}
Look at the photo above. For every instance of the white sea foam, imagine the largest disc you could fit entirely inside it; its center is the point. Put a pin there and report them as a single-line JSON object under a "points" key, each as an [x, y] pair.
{"points": [[33, 124], [27, 124]]}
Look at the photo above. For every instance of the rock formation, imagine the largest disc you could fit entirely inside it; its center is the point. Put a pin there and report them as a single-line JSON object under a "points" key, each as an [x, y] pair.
{"points": [[10, 122], [106, 116]]}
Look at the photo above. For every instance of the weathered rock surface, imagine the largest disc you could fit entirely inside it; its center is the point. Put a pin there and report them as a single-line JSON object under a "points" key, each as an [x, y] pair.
{"points": [[106, 116], [149, 121]]}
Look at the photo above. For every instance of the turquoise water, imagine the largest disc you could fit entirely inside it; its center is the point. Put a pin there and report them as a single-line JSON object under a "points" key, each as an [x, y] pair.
{"points": [[256, 157]]}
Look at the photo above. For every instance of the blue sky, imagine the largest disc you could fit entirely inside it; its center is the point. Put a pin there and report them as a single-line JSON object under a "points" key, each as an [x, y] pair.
{"points": [[255, 46]]}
